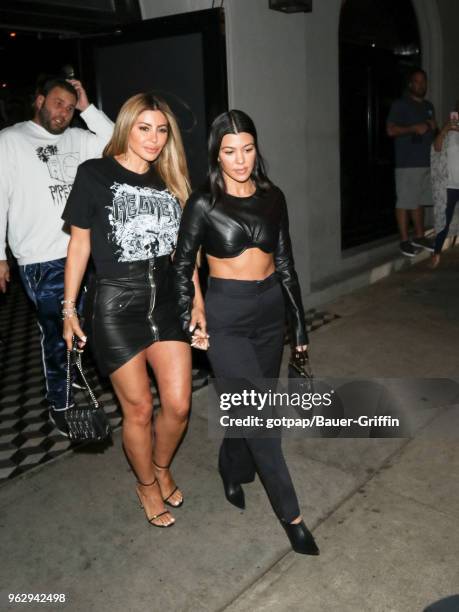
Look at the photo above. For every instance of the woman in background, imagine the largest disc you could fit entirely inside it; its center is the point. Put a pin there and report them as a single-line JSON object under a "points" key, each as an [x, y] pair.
{"points": [[445, 183]]}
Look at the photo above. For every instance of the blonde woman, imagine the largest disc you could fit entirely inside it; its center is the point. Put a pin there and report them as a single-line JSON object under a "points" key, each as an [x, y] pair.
{"points": [[124, 210]]}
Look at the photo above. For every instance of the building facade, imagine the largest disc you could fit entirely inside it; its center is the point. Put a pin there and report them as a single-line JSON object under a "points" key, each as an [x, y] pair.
{"points": [[283, 70]]}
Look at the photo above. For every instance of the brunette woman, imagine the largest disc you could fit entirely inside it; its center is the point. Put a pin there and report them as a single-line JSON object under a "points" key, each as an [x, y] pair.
{"points": [[241, 222], [124, 211]]}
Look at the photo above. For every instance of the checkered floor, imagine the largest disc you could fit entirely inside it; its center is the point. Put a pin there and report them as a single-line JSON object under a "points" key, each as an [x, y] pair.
{"points": [[27, 438]]}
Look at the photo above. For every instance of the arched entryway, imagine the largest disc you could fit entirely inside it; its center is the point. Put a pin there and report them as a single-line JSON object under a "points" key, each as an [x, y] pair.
{"points": [[379, 40]]}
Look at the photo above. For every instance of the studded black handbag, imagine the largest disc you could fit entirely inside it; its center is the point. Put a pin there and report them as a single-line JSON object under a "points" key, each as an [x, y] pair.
{"points": [[86, 422]]}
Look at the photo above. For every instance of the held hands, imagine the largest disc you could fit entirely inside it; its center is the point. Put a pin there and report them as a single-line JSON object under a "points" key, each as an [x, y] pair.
{"points": [[300, 357], [4, 275], [198, 328], [82, 102], [303, 348]]}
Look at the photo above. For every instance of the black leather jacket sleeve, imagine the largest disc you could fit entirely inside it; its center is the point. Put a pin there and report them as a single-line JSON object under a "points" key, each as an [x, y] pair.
{"points": [[285, 267], [190, 236]]}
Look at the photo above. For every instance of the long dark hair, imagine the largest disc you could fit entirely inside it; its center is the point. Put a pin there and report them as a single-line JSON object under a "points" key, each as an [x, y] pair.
{"points": [[232, 122]]}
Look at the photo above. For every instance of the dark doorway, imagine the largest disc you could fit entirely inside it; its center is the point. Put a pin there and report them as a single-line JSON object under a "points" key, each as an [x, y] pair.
{"points": [[378, 41], [181, 57], [24, 56], [38, 37]]}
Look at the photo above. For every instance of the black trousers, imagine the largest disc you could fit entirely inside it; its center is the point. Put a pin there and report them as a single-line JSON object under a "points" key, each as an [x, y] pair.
{"points": [[245, 322]]}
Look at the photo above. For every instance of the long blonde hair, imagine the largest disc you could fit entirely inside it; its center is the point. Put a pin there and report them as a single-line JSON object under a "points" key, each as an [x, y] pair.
{"points": [[171, 164]]}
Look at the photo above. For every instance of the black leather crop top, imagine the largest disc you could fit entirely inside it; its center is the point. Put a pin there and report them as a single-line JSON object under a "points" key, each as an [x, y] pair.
{"points": [[227, 229]]}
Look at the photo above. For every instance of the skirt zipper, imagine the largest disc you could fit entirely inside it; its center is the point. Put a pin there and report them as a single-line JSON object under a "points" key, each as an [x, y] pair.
{"points": [[153, 326]]}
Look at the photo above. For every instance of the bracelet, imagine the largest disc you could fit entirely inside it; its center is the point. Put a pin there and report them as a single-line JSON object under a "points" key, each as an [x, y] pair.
{"points": [[68, 302], [68, 313]]}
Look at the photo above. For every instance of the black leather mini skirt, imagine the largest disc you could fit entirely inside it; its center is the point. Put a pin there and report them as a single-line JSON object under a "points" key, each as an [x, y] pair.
{"points": [[130, 311]]}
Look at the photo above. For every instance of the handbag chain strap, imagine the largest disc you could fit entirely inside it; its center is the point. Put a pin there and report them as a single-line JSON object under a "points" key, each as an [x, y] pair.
{"points": [[77, 360], [299, 360], [68, 382]]}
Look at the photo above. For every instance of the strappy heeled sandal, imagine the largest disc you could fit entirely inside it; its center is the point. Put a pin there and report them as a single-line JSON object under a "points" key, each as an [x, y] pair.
{"points": [[167, 498], [156, 516]]}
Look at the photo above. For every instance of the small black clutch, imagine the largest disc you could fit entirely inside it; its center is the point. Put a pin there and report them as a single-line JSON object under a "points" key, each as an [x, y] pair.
{"points": [[86, 422], [299, 368]]}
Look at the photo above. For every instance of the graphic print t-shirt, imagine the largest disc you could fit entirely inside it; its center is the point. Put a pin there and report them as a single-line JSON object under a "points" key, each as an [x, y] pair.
{"points": [[132, 217]]}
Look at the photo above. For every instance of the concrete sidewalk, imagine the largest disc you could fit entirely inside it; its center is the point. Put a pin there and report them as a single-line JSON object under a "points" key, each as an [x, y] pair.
{"points": [[384, 511]]}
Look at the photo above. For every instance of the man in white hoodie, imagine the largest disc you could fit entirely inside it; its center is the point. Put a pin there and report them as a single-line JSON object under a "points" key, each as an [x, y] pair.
{"points": [[38, 163]]}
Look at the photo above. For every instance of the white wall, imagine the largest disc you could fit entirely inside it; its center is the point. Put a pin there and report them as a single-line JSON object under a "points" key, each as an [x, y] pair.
{"points": [[322, 137], [161, 8], [266, 56], [430, 29], [449, 20]]}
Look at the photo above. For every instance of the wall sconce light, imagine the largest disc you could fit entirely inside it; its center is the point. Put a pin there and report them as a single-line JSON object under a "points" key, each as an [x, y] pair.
{"points": [[291, 6]]}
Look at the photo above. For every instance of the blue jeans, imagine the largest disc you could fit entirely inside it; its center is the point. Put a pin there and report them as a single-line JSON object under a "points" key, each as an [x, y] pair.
{"points": [[44, 284]]}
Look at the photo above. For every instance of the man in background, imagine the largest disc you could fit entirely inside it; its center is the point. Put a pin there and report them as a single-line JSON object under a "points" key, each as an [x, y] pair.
{"points": [[412, 125], [38, 161]]}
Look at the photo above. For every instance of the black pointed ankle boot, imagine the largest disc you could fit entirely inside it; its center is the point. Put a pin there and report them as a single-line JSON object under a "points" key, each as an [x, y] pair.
{"points": [[301, 538], [233, 492]]}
